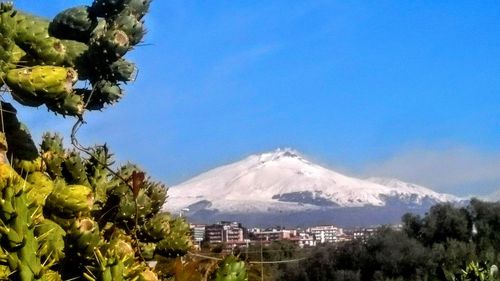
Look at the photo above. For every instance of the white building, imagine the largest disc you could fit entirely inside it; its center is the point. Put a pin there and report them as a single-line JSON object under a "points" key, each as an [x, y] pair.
{"points": [[326, 233]]}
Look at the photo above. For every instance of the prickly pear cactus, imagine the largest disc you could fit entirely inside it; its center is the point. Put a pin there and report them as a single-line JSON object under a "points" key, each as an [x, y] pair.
{"points": [[72, 217], [65, 214], [231, 269], [41, 60]]}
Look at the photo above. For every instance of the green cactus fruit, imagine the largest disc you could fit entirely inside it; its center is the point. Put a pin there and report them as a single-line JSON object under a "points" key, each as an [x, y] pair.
{"points": [[7, 22], [31, 34], [71, 105], [44, 50], [157, 193], [112, 45], [147, 250], [52, 143], [126, 171], [49, 82], [127, 211], [123, 70], [74, 169], [77, 56], [99, 30], [42, 186], [53, 154], [104, 92], [51, 239], [83, 238], [121, 246], [11, 55], [129, 24], [107, 91], [138, 8], [98, 174], [74, 24], [68, 201], [231, 269], [156, 228], [178, 241]]}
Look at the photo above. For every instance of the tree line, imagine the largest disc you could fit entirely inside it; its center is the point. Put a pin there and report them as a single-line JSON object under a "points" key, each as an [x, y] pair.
{"points": [[448, 243]]}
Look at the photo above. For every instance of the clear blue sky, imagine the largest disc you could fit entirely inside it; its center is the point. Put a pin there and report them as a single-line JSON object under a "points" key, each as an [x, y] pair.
{"points": [[408, 89]]}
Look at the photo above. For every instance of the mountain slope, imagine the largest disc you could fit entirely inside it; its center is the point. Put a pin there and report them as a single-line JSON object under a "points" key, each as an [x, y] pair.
{"points": [[285, 182]]}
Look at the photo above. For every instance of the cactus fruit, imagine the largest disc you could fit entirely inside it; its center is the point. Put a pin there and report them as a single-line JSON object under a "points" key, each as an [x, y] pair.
{"points": [[42, 187], [123, 70], [74, 24], [45, 82], [72, 105], [138, 8], [52, 154], [108, 92], [157, 227], [83, 237], [113, 44], [74, 169], [39, 59], [129, 24], [68, 201], [231, 270], [178, 240]]}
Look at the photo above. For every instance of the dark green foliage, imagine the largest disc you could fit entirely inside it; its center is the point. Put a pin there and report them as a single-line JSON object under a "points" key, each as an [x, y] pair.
{"points": [[446, 222], [486, 217], [445, 244]]}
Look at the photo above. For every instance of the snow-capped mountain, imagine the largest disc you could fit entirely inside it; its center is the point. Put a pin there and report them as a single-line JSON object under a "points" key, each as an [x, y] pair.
{"points": [[283, 182]]}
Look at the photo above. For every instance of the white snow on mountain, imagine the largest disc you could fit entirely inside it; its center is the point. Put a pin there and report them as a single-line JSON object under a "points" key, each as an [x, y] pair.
{"points": [[284, 181]]}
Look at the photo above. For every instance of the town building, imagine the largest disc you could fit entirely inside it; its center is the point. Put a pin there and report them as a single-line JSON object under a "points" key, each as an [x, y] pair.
{"points": [[326, 233], [274, 234], [225, 232]]}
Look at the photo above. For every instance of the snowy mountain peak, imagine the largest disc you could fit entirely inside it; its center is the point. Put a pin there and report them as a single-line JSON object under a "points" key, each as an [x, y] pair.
{"points": [[284, 181], [279, 154]]}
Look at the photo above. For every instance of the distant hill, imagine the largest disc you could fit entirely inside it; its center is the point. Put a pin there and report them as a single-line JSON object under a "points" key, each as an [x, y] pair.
{"points": [[282, 187]]}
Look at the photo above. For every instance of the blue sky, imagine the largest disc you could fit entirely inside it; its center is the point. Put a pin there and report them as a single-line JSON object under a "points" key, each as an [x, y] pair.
{"points": [[407, 89]]}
